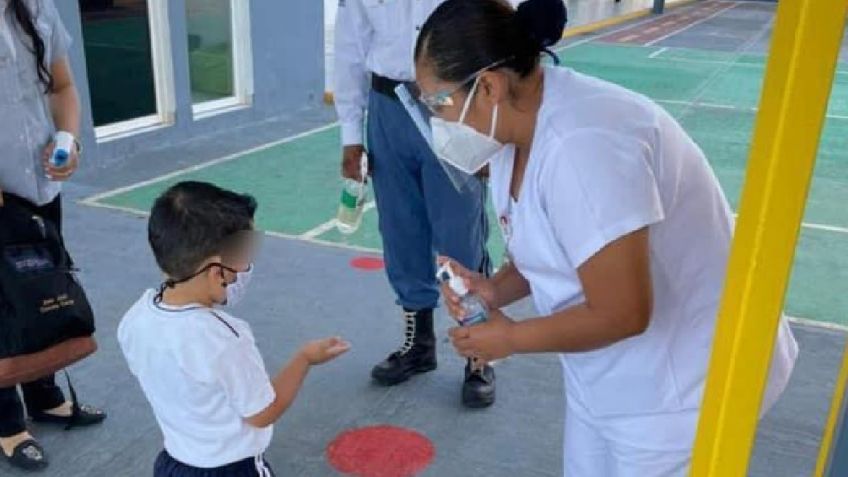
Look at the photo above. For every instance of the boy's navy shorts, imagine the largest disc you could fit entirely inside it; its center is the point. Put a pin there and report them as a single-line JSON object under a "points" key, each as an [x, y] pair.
{"points": [[167, 466]]}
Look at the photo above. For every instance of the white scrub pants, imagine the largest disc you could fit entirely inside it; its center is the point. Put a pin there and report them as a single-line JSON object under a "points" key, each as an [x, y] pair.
{"points": [[654, 445]]}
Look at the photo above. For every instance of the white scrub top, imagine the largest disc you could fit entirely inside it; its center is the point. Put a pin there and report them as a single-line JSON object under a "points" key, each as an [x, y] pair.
{"points": [[606, 161]]}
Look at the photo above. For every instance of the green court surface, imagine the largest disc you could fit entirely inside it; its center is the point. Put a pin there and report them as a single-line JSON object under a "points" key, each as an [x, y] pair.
{"points": [[713, 94]]}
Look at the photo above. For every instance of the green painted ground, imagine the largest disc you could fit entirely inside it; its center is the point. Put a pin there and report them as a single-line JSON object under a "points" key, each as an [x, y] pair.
{"points": [[297, 182]]}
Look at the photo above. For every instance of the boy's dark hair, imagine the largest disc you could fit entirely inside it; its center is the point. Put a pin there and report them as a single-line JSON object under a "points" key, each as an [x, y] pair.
{"points": [[193, 221]]}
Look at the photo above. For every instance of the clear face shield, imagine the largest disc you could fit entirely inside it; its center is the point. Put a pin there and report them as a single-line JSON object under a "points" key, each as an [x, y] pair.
{"points": [[421, 116], [461, 150]]}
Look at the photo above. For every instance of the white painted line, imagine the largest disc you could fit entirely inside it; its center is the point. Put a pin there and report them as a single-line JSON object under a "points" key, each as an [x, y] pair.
{"points": [[658, 52], [822, 227], [681, 102], [817, 324], [826, 228], [97, 197], [695, 23], [727, 106], [572, 45], [319, 230], [330, 224], [679, 59], [326, 243], [129, 210], [300, 238]]}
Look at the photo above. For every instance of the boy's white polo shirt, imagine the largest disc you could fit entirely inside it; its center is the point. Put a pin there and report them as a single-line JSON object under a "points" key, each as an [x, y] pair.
{"points": [[203, 375]]}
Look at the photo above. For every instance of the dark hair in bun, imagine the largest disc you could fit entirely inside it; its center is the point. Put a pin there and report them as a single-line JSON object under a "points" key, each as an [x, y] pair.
{"points": [[462, 37], [544, 21]]}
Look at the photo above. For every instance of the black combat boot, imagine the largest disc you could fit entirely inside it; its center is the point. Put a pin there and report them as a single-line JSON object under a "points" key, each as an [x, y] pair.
{"points": [[416, 355]]}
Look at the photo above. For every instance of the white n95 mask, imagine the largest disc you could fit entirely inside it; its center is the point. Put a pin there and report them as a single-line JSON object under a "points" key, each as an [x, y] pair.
{"points": [[238, 289], [462, 146]]}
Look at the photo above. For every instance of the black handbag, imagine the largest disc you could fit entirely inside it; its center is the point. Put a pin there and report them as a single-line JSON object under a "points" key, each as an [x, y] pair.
{"points": [[46, 321]]}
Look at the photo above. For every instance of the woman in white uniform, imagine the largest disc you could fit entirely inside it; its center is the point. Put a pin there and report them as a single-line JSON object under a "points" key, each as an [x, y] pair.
{"points": [[614, 223]]}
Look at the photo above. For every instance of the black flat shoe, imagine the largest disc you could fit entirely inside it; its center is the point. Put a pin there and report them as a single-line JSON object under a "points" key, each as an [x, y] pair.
{"points": [[28, 455], [82, 416], [478, 389]]}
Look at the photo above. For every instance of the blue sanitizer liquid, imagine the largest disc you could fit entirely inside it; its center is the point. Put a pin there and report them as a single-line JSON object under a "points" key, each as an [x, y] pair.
{"points": [[475, 310]]}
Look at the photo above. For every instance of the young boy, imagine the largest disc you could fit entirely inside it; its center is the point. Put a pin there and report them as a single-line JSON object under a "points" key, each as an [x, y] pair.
{"points": [[198, 366]]}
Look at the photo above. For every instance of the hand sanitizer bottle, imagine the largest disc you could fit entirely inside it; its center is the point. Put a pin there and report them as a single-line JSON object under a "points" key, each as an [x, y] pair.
{"points": [[474, 307], [62, 152], [352, 206]]}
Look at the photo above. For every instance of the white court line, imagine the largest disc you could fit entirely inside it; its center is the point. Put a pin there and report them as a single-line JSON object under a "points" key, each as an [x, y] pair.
{"points": [[728, 106], [817, 324], [330, 224], [120, 190], [658, 52], [696, 22], [822, 227], [143, 213], [677, 59], [704, 104], [826, 228], [326, 243], [319, 230], [120, 208]]}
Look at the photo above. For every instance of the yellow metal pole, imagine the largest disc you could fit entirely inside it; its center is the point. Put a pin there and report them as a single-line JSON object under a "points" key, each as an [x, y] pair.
{"points": [[799, 75], [835, 408]]}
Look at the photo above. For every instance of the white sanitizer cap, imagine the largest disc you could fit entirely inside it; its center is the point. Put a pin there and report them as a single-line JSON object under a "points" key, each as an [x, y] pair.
{"points": [[456, 283]]}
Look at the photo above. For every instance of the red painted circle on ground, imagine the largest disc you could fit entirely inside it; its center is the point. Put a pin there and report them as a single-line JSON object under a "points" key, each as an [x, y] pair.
{"points": [[367, 263], [380, 451]]}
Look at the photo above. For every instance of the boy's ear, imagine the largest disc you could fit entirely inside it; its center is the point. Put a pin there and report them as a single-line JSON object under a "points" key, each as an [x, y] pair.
{"points": [[215, 274]]}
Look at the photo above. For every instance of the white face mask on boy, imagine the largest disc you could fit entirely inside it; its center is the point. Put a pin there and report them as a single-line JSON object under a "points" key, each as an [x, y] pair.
{"points": [[238, 288]]}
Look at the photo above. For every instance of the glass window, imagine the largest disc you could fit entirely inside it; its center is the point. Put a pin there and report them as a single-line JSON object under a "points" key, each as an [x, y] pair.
{"points": [[116, 38], [210, 49]]}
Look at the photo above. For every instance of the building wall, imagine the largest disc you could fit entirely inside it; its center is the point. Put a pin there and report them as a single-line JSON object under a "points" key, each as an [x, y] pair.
{"points": [[287, 41]]}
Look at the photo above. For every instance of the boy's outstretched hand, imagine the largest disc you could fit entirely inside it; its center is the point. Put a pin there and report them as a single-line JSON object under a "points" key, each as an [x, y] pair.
{"points": [[320, 351], [288, 381]]}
